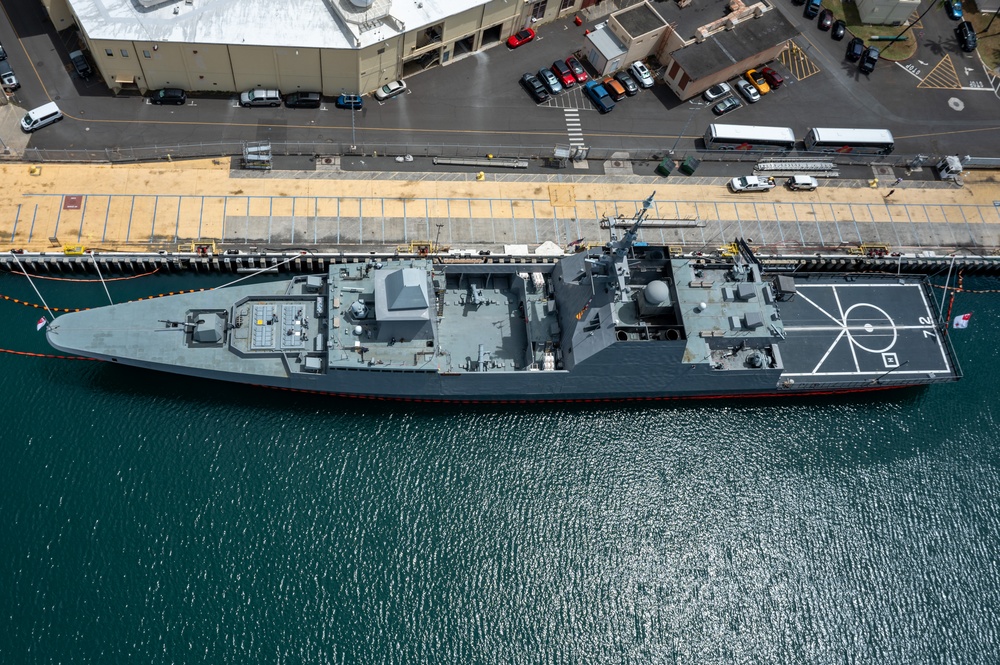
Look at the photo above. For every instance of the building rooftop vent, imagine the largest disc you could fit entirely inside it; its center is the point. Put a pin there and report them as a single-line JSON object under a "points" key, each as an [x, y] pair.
{"points": [[361, 12]]}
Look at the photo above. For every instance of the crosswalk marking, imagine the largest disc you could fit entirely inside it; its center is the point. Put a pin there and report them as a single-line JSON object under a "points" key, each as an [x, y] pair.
{"points": [[573, 127]]}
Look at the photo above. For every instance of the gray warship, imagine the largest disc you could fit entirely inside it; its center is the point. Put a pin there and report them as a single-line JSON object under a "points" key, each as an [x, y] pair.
{"points": [[623, 321]]}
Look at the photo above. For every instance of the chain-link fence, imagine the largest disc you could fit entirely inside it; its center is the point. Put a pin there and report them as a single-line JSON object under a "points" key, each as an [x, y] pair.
{"points": [[334, 149]]}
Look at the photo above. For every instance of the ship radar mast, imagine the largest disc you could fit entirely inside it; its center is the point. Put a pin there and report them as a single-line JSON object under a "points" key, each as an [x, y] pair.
{"points": [[615, 261]]}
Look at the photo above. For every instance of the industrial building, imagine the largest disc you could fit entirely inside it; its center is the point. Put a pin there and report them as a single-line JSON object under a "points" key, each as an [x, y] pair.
{"points": [[329, 46]]}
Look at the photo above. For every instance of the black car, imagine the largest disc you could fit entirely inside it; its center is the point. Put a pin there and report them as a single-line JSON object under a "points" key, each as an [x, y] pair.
{"points": [[838, 30], [80, 64], [304, 100], [631, 87], [168, 96], [3, 54], [966, 36], [534, 87], [868, 60], [855, 48]]}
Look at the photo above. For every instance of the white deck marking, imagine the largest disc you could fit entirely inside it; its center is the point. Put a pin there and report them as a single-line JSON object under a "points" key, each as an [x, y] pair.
{"points": [[940, 345], [889, 358], [830, 316], [829, 351]]}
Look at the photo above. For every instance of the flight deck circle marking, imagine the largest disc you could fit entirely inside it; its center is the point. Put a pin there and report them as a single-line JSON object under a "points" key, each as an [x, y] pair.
{"points": [[868, 327]]}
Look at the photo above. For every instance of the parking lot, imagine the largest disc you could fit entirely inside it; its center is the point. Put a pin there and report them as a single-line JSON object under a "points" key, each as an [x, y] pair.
{"points": [[939, 101]]}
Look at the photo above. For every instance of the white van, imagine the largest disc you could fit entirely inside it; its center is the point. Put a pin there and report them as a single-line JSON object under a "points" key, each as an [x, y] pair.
{"points": [[44, 115]]}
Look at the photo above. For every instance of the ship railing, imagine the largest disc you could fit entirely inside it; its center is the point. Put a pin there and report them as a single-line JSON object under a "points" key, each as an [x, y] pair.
{"points": [[866, 384]]}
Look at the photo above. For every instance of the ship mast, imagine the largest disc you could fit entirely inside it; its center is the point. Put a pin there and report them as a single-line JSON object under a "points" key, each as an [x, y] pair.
{"points": [[615, 261]]}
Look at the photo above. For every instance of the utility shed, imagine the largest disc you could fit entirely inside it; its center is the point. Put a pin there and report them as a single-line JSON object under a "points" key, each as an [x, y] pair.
{"points": [[886, 12]]}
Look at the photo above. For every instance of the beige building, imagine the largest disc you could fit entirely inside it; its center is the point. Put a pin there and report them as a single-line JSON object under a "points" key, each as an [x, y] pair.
{"points": [[698, 44], [330, 46]]}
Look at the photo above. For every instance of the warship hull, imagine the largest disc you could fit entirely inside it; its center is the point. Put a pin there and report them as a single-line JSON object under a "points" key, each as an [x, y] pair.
{"points": [[594, 326]]}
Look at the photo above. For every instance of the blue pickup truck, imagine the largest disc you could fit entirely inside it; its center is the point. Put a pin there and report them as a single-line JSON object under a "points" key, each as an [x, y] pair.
{"points": [[599, 95]]}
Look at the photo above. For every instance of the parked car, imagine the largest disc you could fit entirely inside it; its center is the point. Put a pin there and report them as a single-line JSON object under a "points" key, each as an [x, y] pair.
{"points": [[812, 8], [563, 73], [7, 77], [549, 79], [757, 80], [168, 96], [805, 183], [599, 95], [81, 64], [631, 87], [773, 78], [717, 91], [642, 74], [855, 48], [751, 183], [534, 87], [748, 91], [304, 100], [520, 38], [966, 36], [825, 19], [260, 97], [614, 88], [579, 73], [726, 105], [954, 9], [44, 115], [390, 89], [839, 30], [868, 60], [350, 102], [3, 53]]}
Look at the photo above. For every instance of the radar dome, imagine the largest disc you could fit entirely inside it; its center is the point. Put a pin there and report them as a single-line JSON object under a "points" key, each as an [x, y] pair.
{"points": [[362, 4], [657, 293]]}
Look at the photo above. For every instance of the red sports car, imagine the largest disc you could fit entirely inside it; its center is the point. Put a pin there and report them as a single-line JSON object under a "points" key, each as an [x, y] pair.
{"points": [[521, 38]]}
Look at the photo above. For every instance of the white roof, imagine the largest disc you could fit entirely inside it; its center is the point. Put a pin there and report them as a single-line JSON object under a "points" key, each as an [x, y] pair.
{"points": [[304, 23]]}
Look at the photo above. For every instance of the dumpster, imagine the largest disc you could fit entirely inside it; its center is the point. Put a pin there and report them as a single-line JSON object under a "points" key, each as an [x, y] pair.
{"points": [[665, 167], [689, 165]]}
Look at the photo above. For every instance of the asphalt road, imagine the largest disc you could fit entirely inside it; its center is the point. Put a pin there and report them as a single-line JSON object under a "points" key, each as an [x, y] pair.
{"points": [[940, 101]]}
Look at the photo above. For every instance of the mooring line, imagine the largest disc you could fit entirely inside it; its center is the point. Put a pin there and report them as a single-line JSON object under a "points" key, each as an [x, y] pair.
{"points": [[84, 281]]}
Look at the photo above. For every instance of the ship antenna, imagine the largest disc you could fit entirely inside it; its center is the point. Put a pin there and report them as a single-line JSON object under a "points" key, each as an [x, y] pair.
{"points": [[616, 262], [37, 292], [629, 238]]}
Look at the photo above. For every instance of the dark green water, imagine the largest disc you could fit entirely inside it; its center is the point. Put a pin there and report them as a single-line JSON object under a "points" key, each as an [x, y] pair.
{"points": [[155, 519]]}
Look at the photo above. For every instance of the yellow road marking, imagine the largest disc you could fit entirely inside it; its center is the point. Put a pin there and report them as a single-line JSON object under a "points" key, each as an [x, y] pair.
{"points": [[797, 62], [942, 77]]}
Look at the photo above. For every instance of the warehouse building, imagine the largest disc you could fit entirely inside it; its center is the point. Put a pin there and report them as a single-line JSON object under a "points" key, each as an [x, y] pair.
{"points": [[329, 46]]}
